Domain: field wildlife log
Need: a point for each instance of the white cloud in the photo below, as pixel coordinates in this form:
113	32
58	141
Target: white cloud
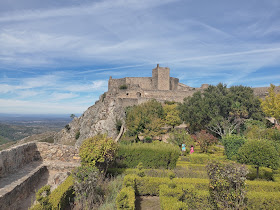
33	107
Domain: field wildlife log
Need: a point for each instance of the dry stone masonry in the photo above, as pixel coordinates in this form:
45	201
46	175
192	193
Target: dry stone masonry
26	168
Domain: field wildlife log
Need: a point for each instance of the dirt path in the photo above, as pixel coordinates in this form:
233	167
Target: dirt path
147	203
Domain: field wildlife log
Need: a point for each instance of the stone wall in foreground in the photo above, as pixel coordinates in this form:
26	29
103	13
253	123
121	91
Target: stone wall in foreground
15	158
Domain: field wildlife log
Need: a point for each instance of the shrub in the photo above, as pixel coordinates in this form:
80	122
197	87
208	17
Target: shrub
126	199
58	199
61	196
153	155
259	153
227	185
98	151
77	135
123	87
42	196
205	140
88	191
232	144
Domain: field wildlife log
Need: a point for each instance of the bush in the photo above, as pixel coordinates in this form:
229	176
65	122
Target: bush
98	151
227	185
88	190
123	87
77	135
153	155
126	199
232	144
61	196
58	199
205	140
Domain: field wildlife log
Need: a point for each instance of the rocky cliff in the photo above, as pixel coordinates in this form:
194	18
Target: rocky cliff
99	118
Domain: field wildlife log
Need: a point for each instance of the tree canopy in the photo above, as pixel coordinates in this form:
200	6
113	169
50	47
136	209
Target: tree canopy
259	153
271	103
146	118
220	109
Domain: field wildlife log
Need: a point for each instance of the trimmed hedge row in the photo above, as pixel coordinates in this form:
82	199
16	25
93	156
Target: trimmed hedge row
152	155
262	186
263	200
264	173
147	172
180	197
150	185
201	158
126	199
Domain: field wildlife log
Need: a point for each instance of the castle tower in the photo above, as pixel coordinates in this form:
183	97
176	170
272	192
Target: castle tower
161	78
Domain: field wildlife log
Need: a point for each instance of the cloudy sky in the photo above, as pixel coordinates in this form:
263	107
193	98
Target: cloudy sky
57	56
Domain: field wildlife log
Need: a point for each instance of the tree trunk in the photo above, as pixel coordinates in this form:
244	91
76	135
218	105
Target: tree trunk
257	171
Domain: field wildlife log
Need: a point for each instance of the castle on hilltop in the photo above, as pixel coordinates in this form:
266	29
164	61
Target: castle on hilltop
131	91
135	90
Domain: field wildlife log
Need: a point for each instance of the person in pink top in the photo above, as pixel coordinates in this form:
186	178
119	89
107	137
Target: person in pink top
191	151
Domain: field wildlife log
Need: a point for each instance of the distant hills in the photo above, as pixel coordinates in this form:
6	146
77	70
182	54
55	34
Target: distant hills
14	127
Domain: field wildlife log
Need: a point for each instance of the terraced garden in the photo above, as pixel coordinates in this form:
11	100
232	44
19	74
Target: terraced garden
187	185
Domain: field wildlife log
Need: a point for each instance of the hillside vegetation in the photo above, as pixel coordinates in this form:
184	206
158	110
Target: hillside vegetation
235	163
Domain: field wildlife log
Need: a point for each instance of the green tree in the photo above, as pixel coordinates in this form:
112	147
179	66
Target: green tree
259	153
146	118
98	151
220	109
72	116
271	103
172	117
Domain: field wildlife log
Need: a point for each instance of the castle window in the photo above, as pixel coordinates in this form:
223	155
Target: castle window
127	94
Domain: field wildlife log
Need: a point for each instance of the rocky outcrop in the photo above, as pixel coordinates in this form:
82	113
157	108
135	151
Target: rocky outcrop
99	118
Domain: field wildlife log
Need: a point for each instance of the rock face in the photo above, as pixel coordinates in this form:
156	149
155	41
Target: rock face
99	118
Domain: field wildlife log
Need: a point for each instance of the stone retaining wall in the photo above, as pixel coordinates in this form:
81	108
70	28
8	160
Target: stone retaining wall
14	198
16	157
58	152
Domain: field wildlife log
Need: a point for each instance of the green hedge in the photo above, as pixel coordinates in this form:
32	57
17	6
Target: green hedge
263	200
232	144
126	199
264	173
58	199
181	197
150	185
152	155
262	186
198	158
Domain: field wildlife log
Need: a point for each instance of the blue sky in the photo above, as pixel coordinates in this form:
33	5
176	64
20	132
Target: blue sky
57	56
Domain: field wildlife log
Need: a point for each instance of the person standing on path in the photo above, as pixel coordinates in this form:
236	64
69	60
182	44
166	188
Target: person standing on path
192	150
